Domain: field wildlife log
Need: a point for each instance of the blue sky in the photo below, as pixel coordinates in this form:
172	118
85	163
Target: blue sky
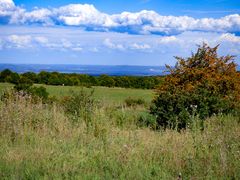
115	32
194	8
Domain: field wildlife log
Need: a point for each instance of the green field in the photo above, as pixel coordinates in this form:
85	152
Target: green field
108	95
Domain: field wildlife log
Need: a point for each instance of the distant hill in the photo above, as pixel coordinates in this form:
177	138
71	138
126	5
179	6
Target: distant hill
94	70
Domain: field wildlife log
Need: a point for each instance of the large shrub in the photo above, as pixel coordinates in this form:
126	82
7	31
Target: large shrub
80	106
201	85
25	85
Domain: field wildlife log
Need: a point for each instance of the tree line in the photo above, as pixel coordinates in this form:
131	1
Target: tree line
56	78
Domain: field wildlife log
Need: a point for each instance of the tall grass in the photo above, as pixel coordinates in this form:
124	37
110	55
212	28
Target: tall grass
39	141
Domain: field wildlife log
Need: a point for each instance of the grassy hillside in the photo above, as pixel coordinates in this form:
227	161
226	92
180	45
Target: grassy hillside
41	141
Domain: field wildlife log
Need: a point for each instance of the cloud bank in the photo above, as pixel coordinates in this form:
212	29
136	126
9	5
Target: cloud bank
73	45
72	39
89	18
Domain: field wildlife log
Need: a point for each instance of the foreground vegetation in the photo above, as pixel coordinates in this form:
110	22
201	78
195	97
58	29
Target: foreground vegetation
40	141
191	129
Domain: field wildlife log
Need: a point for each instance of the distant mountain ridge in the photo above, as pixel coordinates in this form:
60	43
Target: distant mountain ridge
95	70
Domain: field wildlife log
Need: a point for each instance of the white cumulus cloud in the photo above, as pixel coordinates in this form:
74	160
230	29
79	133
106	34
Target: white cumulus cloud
140	46
41	39
81	14
19	41
108	43
41	16
230	37
168	39
88	17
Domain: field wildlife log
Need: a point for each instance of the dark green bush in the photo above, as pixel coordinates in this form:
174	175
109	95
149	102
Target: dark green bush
132	102
80	106
147	120
177	110
25	86
39	92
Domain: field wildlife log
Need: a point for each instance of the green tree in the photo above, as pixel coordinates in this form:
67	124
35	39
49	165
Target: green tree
107	81
55	78
30	75
43	77
13	78
23	84
5	74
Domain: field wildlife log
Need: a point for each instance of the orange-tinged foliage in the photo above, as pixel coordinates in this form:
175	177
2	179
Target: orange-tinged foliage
204	70
204	84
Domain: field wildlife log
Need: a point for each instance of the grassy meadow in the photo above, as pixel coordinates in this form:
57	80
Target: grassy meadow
105	94
40	141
